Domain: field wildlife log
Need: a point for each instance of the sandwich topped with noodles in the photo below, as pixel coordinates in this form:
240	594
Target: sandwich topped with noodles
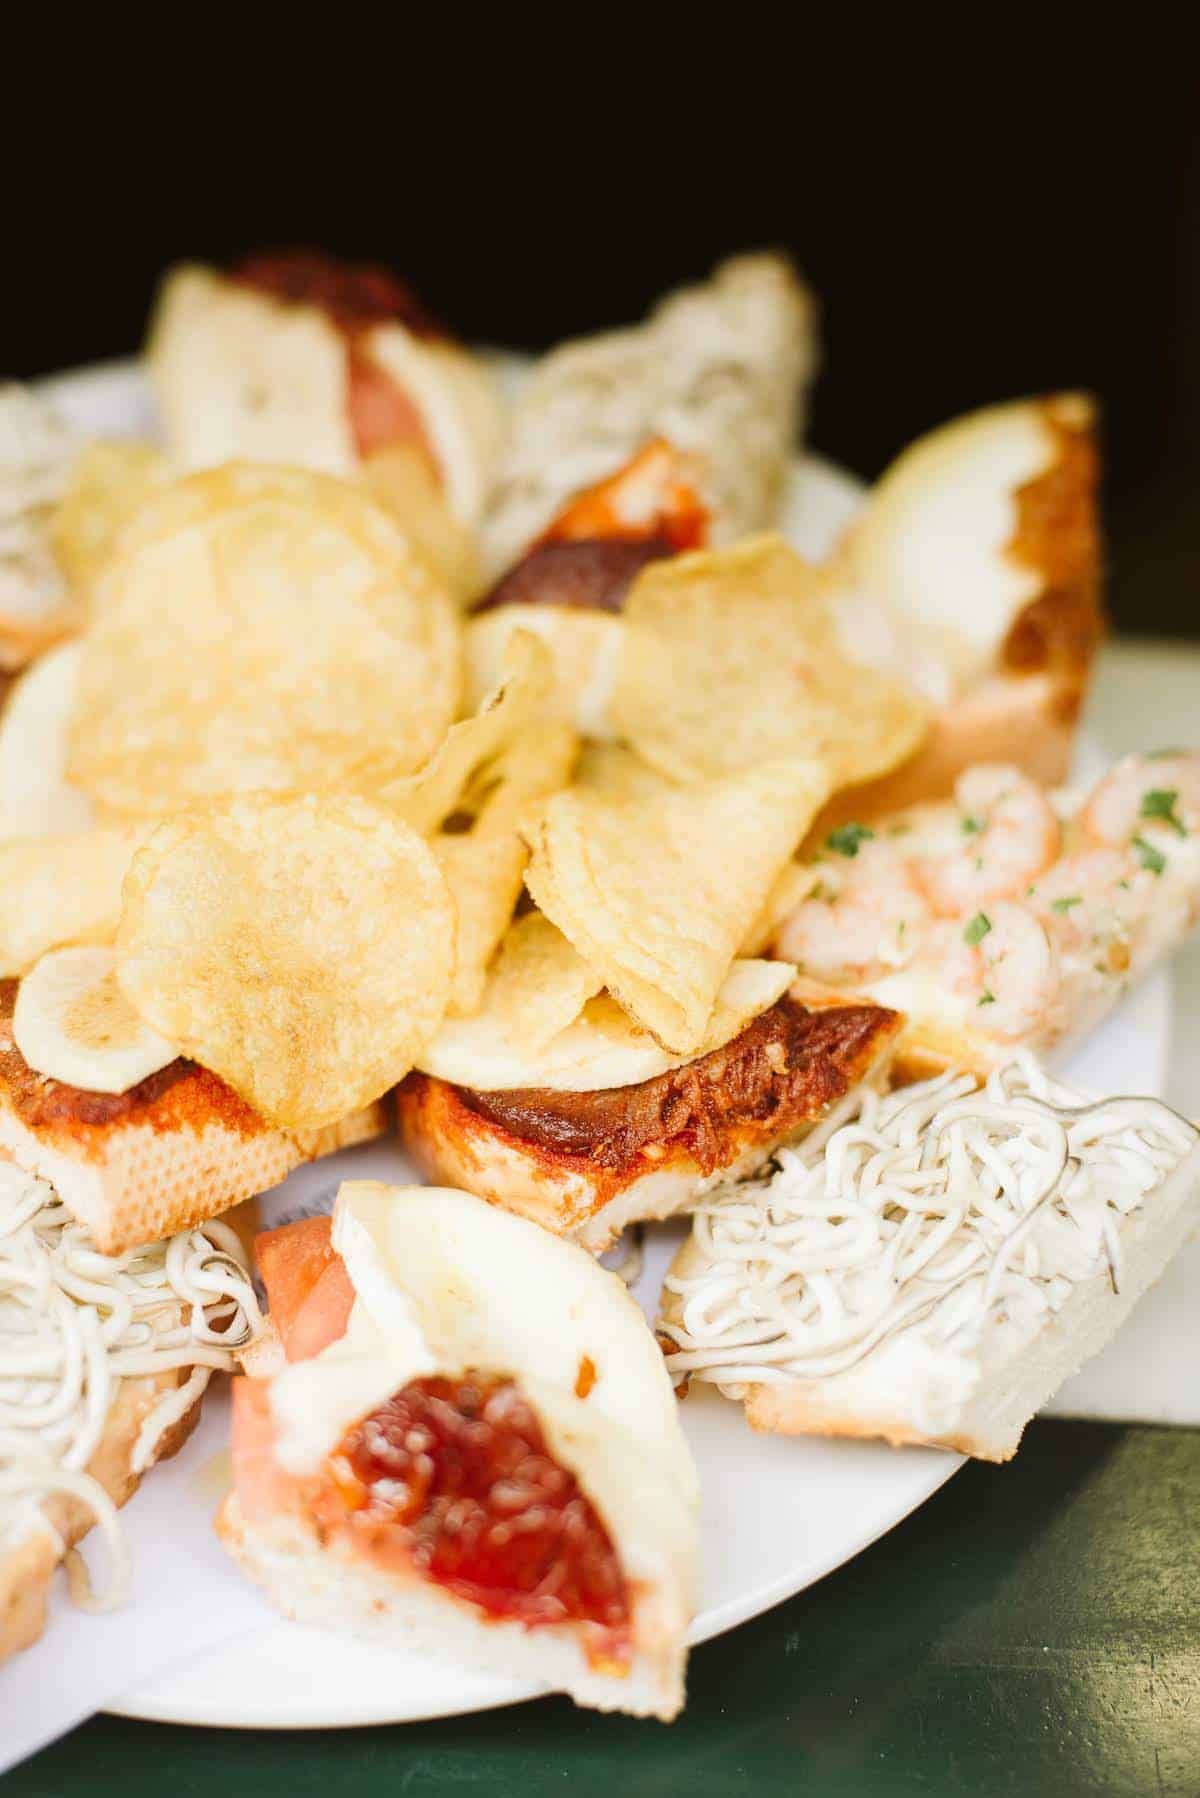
104	1360
932	1264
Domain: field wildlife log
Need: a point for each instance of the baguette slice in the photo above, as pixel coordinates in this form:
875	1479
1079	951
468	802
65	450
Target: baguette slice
431	1284
982	1393
177	1149
28	1565
585	1165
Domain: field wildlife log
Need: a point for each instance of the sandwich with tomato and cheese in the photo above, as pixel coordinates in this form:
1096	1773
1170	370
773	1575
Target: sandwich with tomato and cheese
465	1443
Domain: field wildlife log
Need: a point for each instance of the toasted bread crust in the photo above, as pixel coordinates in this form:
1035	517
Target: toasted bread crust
457	1140
1029	721
184	1157
27	1570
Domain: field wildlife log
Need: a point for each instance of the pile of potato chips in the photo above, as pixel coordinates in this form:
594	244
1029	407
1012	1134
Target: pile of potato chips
257	782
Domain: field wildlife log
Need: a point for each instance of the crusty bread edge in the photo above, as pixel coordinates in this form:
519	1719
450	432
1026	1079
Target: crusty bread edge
319	1586
1012	1389
130	1182
28	1567
1029	721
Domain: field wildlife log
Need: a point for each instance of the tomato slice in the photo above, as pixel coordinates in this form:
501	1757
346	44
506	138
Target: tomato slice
308	1289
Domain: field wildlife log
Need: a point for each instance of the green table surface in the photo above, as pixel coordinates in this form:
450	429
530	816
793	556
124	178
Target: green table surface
1034	1629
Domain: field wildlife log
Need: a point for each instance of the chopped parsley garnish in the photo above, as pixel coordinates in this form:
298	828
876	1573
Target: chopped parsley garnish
1065	905
988	998
1149	856
823	894
977	929
847	837
1160	803
972	826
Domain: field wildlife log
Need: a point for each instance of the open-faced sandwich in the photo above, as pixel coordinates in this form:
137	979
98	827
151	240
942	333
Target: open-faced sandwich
1007	916
624	1055
466	1443
36	453
932	1264
103	1365
630	447
294	357
213	974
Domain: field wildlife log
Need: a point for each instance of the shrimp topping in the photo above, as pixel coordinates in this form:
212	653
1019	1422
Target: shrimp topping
1147	797
1008	833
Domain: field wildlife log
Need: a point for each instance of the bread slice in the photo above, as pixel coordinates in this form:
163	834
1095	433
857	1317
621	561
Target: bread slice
311	1584
655	1146
988	1395
28	1564
176	1161
1028	721
434	1285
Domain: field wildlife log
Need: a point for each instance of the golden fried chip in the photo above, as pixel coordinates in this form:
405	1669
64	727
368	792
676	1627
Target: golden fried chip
657	893
616	772
261	628
465	758
730	659
61	890
602	1047
401	479
585	647
538	984
108	484
484	860
302	949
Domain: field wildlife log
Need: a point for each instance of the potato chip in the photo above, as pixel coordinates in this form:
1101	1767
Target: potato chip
401	479
108	484
730	659
261	628
302	949
467	752
61	890
657	893
36	799
585	646
603	1047
538	984
617	772
484	862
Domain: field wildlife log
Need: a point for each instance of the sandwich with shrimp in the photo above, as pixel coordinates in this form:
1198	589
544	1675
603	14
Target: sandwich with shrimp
104	1361
464	1442
1007	916
933	1263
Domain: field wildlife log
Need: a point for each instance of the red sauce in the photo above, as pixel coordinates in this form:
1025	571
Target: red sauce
456	1476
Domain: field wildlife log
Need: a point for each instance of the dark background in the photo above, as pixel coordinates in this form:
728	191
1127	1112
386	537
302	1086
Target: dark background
1007	222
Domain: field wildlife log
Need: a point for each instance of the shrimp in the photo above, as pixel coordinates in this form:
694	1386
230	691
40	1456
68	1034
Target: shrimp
1004	964
858	921
1007	834
1144	796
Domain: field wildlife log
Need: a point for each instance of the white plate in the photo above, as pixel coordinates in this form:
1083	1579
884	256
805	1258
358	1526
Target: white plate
778	1514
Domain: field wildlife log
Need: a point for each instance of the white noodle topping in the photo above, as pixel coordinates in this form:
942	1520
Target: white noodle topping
935	1212
73	1324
